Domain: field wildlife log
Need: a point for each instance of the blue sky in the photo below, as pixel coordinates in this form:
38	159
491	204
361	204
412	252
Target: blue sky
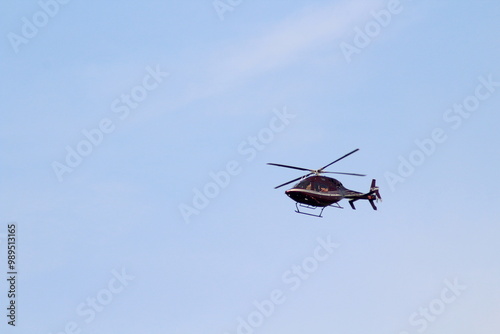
156	100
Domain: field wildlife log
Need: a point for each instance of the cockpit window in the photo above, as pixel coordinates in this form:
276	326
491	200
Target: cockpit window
319	184
305	184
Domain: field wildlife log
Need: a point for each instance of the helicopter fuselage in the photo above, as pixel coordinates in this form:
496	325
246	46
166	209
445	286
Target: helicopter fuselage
320	191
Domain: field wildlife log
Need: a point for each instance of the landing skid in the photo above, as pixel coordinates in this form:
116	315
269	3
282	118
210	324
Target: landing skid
310	207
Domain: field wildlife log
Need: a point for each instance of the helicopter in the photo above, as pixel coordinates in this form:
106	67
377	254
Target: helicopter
316	191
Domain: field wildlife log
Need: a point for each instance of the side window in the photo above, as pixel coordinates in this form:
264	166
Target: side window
323	187
306	184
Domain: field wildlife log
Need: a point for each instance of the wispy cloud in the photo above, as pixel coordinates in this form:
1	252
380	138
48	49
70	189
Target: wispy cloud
280	45
287	41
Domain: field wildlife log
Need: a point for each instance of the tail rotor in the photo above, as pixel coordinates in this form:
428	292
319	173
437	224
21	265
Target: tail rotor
374	195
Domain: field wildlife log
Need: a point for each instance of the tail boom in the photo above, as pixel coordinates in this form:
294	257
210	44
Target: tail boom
372	196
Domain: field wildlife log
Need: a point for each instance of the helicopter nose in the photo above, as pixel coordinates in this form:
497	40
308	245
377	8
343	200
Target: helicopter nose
290	193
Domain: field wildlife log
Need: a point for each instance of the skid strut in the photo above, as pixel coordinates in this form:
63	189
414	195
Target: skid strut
310	207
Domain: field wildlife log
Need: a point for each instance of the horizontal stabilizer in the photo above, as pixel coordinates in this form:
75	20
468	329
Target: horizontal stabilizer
372	196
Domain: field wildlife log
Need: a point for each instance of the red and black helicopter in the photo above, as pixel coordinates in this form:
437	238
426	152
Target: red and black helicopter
316	191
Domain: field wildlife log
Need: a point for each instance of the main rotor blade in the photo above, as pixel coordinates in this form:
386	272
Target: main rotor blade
293	167
284	184
331	163
345	173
